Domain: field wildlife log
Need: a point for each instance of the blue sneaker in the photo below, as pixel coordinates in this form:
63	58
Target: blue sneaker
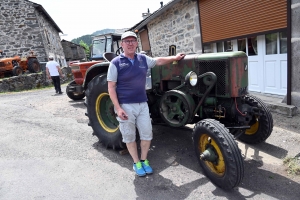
139	170
147	167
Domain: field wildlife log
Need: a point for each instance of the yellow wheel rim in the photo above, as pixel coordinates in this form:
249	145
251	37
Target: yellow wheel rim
253	129
100	117
218	168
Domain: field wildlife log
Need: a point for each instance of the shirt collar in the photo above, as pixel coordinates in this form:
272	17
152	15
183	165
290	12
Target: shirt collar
123	56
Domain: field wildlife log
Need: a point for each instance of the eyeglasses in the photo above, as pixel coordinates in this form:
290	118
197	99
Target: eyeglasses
130	41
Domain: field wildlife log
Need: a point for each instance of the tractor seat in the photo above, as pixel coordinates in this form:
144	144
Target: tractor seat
109	56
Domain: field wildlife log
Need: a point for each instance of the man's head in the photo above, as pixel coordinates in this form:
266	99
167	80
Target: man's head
50	57
128	34
129	42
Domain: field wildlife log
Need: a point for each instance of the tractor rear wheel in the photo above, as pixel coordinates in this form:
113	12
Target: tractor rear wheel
261	126
17	70
73	95
100	111
33	65
218	154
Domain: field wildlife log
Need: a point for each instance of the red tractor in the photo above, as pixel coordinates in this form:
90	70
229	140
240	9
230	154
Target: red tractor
84	72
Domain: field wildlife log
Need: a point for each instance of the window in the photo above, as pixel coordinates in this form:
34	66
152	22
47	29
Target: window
98	48
108	45
242	45
207	48
116	45
252	46
227	46
219	46
172	50
271	43
283	40
224	46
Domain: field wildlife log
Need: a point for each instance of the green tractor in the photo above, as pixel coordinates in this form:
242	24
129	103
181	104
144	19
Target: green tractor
207	90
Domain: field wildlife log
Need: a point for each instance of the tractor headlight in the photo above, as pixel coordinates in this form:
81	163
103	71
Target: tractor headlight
75	67
191	78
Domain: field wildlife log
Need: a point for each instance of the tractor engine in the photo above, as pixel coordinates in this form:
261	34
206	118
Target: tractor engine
207	86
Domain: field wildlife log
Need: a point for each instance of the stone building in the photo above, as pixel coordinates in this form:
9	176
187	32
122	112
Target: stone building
26	26
267	31
175	25
73	51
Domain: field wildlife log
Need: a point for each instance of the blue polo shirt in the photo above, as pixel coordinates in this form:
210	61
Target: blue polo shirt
130	77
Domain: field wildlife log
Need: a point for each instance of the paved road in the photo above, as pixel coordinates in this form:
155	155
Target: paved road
48	152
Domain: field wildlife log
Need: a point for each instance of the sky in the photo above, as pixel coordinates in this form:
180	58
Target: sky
81	17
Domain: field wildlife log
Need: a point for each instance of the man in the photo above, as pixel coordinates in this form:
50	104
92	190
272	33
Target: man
54	72
126	86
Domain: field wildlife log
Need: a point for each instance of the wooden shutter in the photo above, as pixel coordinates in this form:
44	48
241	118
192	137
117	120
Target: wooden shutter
233	18
145	40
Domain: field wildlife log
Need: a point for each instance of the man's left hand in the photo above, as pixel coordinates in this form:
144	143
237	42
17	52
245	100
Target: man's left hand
180	56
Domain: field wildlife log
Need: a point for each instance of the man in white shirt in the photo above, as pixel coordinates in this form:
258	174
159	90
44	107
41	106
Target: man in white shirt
54	72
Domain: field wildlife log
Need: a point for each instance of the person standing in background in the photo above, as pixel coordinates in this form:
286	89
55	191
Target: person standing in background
54	72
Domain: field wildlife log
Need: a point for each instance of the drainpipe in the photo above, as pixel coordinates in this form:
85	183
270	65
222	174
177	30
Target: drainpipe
201	38
289	53
161	4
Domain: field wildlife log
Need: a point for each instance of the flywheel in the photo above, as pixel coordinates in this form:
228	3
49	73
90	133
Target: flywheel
176	108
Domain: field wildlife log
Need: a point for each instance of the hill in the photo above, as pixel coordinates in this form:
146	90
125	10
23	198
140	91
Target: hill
88	38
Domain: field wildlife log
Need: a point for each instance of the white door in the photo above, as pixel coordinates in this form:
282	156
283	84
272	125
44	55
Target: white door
255	63
267	62
275	65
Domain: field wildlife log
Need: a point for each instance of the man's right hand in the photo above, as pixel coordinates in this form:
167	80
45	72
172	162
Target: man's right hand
122	114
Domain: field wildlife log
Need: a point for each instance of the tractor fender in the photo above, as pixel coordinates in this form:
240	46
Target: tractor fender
93	71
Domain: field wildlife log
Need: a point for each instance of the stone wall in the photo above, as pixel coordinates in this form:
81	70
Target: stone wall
178	26
25	28
73	51
295	49
32	81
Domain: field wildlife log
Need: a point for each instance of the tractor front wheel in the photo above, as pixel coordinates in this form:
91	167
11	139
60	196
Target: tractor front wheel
73	95
17	70
100	111
218	154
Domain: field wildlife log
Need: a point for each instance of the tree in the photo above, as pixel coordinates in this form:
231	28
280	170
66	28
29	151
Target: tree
86	48
85	38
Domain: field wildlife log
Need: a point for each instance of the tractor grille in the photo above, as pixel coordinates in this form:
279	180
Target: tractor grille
218	67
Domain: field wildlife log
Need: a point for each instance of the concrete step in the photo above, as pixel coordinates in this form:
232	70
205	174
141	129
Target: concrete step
274	103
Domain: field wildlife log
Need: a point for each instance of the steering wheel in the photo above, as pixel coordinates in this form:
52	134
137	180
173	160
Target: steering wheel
119	51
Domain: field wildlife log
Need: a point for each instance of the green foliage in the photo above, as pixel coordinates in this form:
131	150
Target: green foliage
87	39
86	48
293	165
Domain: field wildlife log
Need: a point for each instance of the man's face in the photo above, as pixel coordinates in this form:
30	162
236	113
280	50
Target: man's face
129	45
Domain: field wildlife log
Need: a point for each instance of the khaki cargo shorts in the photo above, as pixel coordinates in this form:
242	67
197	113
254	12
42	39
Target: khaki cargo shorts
138	117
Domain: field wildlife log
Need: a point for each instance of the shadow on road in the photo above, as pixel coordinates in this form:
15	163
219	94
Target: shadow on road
177	174
77	103
270	149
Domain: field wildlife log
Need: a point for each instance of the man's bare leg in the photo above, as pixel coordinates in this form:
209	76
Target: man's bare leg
132	148
145	145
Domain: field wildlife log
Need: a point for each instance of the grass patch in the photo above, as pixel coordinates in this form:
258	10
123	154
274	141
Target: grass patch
33	89
293	165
